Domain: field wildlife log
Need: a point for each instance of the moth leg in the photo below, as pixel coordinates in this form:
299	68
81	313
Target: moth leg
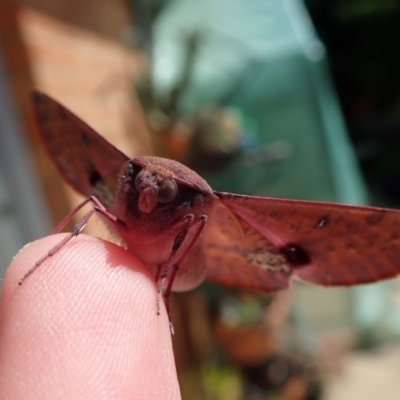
176	246
162	273
98	206
202	220
76	230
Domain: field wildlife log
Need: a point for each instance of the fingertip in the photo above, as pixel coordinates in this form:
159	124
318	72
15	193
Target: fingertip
91	305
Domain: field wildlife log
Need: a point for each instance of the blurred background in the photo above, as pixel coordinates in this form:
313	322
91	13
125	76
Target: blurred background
285	98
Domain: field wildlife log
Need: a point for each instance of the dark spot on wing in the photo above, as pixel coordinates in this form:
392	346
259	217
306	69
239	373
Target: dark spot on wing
95	178
40	116
322	222
353	229
85	139
275	215
296	255
375	218
36	97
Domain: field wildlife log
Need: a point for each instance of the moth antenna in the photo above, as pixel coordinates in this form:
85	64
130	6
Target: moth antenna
77	229
68	218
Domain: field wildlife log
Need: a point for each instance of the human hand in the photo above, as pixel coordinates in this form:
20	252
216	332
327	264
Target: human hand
83	326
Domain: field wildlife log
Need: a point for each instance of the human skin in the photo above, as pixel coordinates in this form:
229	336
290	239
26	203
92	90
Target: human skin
83	326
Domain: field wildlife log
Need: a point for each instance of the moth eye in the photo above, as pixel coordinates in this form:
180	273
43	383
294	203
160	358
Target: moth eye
167	191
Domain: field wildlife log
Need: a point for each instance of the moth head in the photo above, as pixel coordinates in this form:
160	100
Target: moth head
162	188
154	187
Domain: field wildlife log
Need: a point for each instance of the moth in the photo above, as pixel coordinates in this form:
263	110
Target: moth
184	232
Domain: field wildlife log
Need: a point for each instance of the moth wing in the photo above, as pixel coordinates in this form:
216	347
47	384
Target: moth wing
88	162
237	255
324	243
